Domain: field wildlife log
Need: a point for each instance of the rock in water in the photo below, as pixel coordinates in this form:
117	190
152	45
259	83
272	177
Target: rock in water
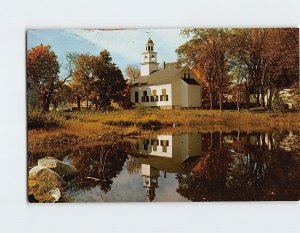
55	193
42	183
61	168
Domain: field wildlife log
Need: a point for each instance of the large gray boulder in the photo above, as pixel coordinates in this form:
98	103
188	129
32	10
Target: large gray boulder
63	169
43	184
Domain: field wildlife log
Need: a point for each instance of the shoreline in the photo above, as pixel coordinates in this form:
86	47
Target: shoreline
80	127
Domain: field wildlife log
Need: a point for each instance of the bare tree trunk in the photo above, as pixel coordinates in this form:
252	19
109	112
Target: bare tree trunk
221	98
55	104
214	99
270	99
247	97
257	98
78	102
262	97
211	99
46	102
238	100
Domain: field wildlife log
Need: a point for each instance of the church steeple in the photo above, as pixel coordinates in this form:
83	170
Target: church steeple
150	180
149	59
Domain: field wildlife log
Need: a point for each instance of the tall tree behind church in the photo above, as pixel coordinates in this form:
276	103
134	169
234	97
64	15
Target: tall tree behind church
208	51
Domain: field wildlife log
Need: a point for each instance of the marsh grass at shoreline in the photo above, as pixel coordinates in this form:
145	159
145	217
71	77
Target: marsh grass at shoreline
73	127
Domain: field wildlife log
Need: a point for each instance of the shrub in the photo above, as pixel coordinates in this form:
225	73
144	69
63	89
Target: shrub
37	119
149	123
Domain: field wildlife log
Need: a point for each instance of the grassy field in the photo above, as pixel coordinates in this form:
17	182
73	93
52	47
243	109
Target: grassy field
94	125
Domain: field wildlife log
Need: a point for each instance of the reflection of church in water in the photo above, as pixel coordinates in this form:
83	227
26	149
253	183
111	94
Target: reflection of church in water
166	154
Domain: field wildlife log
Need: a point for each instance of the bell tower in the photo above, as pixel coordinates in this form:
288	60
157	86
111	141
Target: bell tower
149	59
150	180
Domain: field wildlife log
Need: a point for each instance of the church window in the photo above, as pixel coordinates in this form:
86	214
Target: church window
146	143
147	181
154	97
136	97
152	58
164	96
145	97
154	143
154	147
164	144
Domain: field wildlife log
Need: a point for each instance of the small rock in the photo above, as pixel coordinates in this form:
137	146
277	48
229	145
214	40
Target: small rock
61	168
55	193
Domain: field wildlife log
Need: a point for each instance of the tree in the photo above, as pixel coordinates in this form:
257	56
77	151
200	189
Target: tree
109	82
249	49
282	57
271	57
82	82
64	92
208	51
99	80
132	73
62	95
43	70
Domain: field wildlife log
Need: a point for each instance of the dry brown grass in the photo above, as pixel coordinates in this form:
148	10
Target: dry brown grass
95	124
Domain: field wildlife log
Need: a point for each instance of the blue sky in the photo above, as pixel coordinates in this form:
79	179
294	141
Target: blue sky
125	46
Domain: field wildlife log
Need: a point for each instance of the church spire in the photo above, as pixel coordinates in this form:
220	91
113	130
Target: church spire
150	180
149	59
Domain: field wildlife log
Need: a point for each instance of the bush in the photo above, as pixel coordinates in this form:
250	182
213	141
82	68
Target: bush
37	119
149	122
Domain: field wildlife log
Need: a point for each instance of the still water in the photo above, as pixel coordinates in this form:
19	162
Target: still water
207	166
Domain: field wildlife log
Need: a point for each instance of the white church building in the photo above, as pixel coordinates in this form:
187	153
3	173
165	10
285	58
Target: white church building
168	88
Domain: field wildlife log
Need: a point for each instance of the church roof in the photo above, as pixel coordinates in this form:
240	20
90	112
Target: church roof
190	81
150	41
162	76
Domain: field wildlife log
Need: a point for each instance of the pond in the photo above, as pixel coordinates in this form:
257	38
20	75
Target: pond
203	166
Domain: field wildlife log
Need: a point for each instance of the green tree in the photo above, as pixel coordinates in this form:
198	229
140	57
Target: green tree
98	79
109	82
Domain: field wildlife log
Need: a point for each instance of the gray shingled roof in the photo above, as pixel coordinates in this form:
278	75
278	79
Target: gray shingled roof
163	76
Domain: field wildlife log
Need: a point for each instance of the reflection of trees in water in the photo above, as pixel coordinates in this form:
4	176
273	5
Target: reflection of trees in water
133	165
243	167
97	164
208	179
